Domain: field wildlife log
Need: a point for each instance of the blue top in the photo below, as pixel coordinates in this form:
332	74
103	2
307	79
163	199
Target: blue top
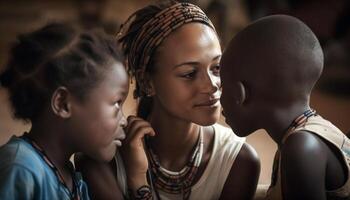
25	175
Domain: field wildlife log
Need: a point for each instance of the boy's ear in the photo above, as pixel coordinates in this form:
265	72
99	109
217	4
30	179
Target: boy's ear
60	103
242	93
145	82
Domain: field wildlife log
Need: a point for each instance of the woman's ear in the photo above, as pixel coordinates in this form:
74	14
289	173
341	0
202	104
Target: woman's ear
60	103
145	82
242	93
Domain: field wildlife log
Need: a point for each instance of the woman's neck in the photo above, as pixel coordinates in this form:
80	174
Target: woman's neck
174	141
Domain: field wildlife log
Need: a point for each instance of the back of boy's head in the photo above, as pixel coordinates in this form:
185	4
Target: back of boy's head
277	57
53	56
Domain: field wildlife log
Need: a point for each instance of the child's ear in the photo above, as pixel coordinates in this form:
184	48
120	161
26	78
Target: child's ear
145	82
60	104
242	93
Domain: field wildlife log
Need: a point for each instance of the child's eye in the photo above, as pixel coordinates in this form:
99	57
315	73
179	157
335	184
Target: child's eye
216	70
118	104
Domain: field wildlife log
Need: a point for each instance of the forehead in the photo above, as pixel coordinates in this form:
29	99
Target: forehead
190	40
115	77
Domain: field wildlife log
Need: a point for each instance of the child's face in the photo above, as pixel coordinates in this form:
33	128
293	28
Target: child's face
187	81
99	118
238	106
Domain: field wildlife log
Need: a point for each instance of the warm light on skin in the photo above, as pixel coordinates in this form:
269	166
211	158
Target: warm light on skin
242	97
99	118
188	76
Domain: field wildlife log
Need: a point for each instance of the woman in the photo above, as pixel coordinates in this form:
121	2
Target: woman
174	53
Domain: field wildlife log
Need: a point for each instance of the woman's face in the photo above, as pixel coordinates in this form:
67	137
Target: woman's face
186	82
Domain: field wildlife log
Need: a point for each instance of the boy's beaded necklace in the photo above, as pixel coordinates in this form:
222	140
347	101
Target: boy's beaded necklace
74	195
176	182
299	121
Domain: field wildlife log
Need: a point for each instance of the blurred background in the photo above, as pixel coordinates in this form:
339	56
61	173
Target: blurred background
330	20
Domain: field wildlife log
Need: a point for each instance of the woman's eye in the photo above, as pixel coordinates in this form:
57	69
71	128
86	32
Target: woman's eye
216	70
189	75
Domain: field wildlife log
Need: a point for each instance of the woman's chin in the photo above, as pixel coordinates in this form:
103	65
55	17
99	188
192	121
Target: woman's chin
207	120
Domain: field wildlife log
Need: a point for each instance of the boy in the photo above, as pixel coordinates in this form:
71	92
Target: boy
268	72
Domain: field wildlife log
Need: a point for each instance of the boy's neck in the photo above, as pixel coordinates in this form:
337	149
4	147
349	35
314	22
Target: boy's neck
53	144
281	120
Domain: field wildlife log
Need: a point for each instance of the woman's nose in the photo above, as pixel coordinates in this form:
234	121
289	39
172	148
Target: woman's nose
211	83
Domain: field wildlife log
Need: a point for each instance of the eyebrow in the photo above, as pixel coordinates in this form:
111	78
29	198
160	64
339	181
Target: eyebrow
122	93
195	62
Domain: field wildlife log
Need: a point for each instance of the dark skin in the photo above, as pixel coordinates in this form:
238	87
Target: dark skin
311	149
100	177
271	90
191	69
55	147
61	129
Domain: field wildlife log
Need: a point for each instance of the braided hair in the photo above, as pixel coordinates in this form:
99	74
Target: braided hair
53	56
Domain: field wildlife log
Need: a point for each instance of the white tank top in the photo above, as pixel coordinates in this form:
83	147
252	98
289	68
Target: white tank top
209	187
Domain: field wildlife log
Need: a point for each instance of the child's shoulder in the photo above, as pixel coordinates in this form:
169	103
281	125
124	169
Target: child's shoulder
303	152
17	154
316	135
302	142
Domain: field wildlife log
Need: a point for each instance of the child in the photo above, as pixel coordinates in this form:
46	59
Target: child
174	53
268	72
70	85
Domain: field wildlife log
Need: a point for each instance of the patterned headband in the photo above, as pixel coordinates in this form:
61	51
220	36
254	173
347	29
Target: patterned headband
158	28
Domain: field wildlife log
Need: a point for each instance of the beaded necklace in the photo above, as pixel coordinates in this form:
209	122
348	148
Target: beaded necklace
74	195
176	182
299	121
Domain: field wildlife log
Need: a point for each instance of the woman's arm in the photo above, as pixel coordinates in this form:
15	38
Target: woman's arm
243	178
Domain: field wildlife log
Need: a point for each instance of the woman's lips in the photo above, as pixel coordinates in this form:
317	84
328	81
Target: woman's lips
210	103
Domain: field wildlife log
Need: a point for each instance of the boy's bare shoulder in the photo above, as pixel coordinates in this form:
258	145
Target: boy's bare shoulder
302	143
303	160
303	166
